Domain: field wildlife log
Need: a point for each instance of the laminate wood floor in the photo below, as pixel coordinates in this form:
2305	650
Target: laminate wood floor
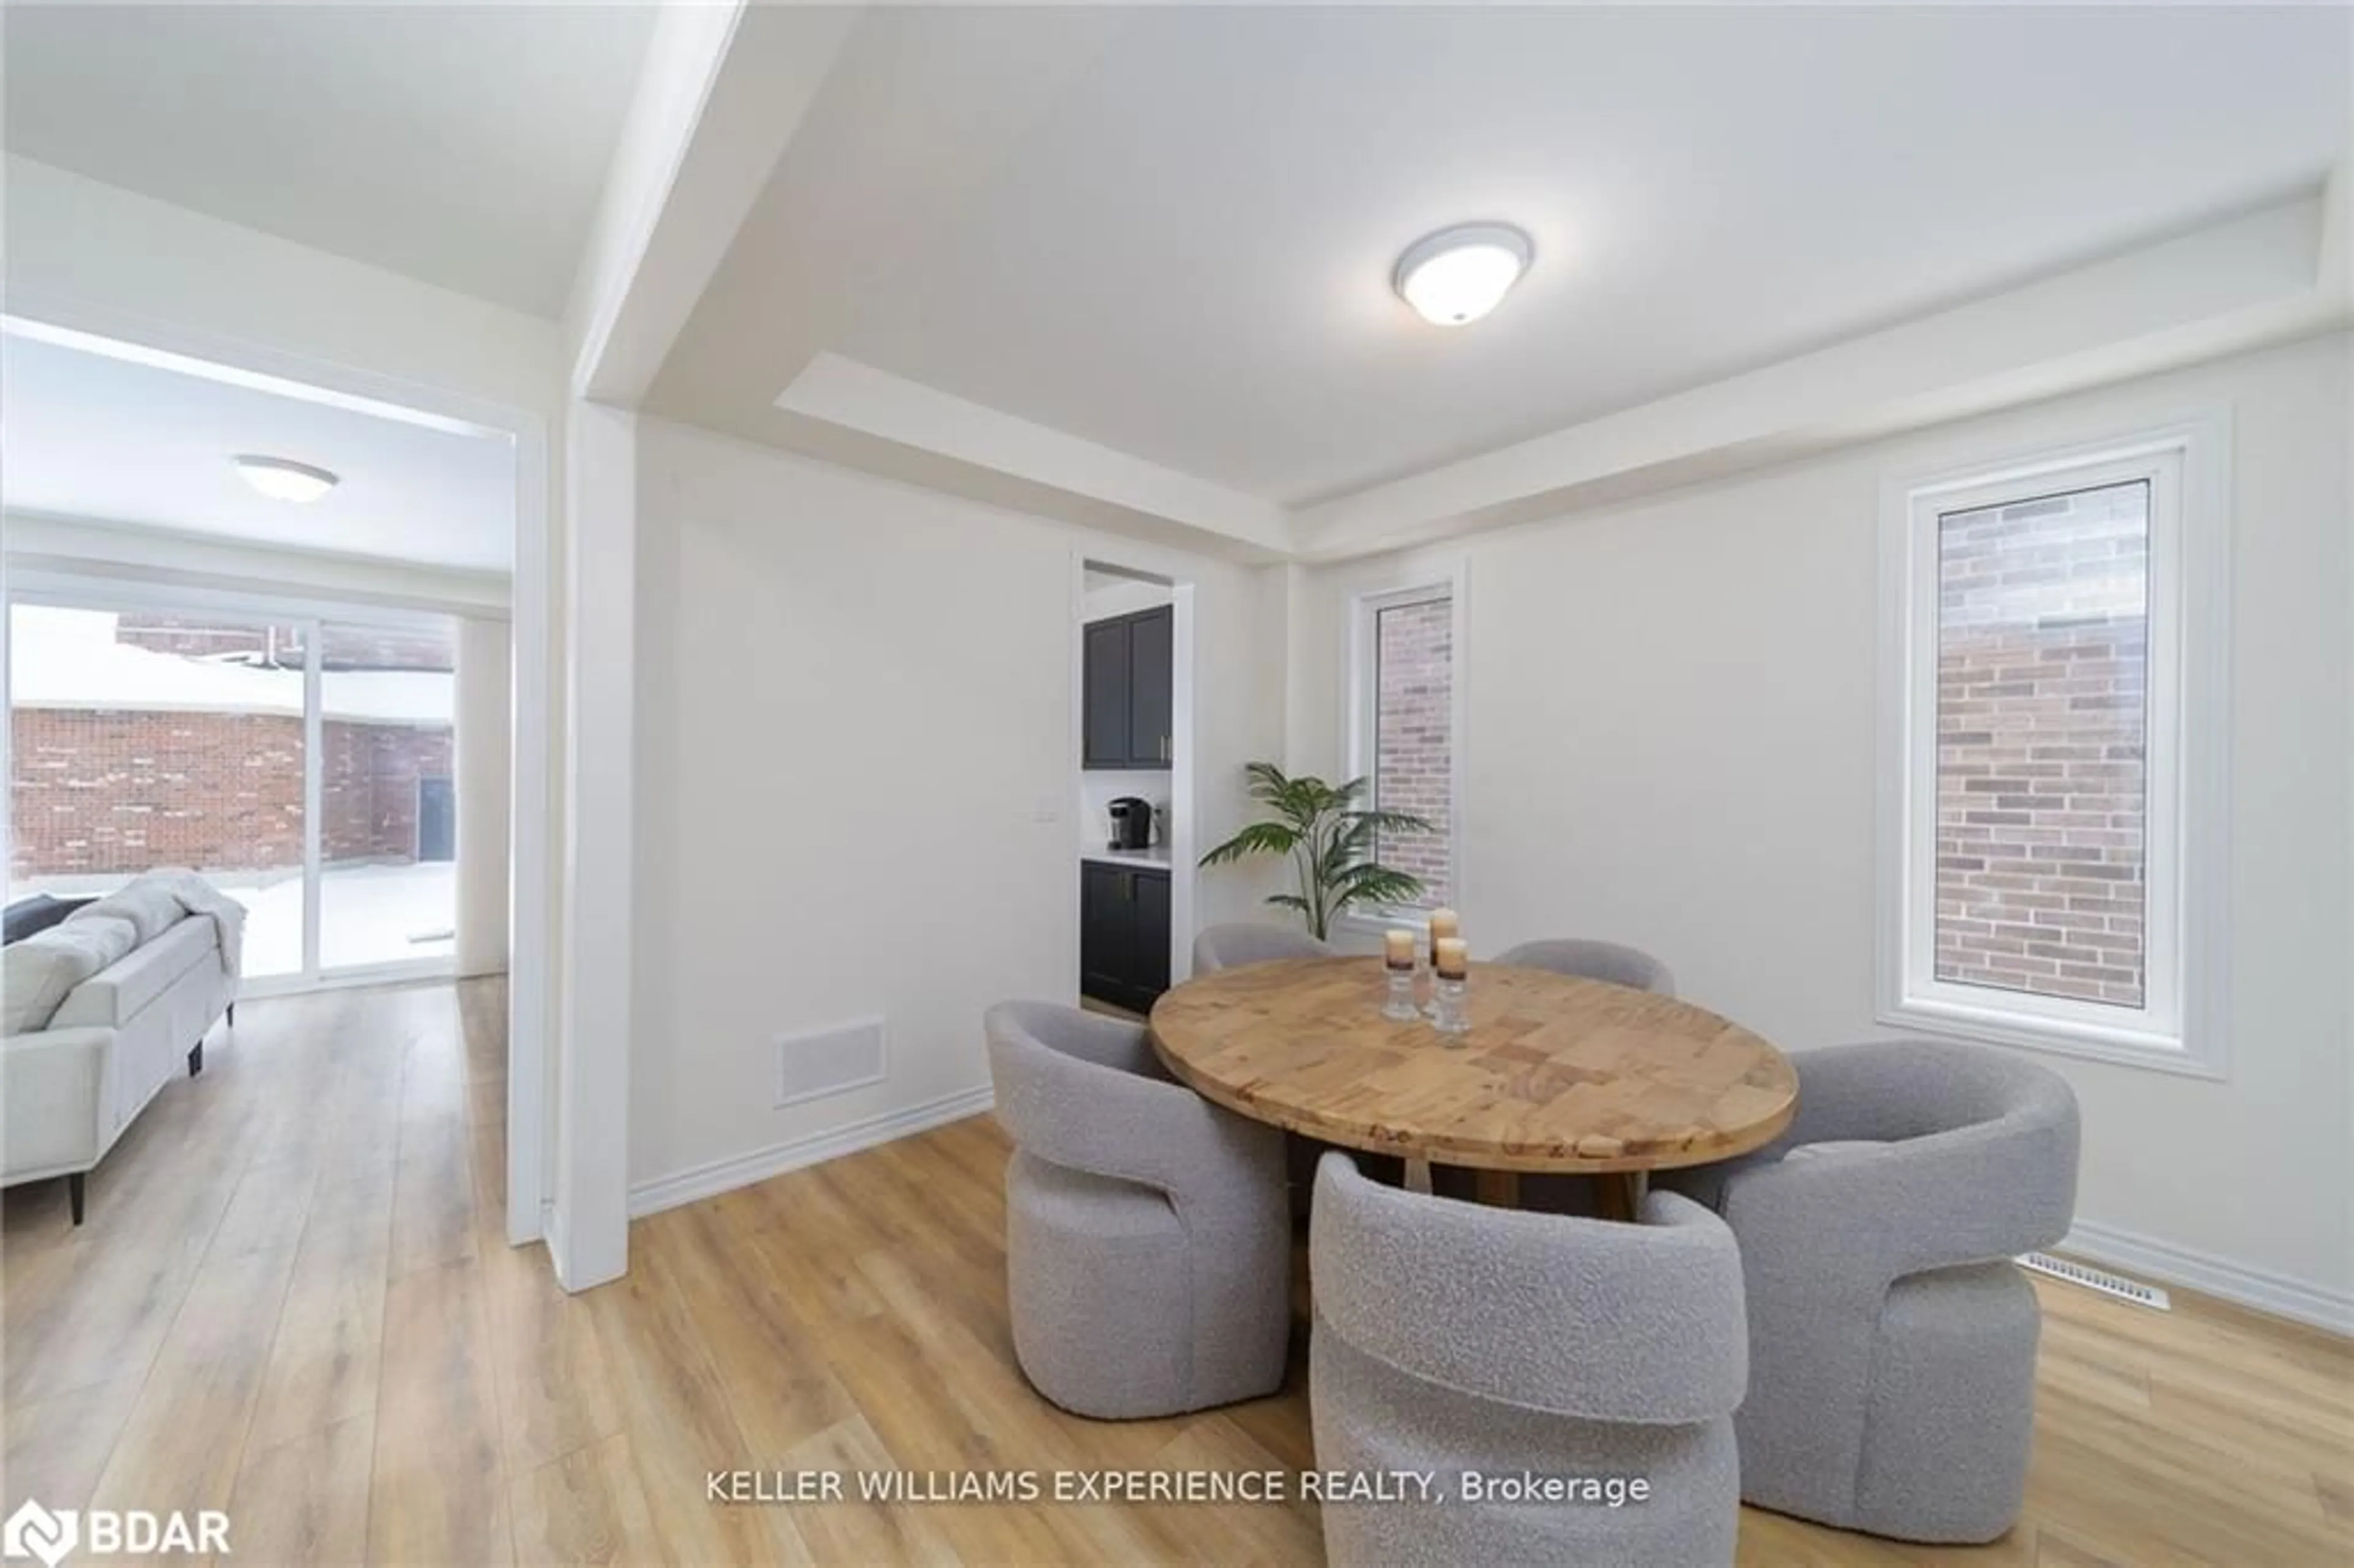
292	1300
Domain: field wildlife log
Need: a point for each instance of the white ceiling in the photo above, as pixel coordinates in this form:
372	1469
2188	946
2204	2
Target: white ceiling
1130	266
465	145
1189	258
111	440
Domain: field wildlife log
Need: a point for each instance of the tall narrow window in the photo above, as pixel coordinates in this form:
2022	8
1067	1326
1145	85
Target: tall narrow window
1405	725
2042	850
2042	731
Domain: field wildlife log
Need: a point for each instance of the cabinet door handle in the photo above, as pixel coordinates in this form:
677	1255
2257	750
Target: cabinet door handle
1164	748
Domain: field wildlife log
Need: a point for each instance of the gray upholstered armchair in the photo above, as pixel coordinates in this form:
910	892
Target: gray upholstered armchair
1891	1340
1256	942
1454	1337
1148	1249
1589	960
1252	942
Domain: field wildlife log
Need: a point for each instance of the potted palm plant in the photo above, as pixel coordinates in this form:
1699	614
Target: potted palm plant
1331	840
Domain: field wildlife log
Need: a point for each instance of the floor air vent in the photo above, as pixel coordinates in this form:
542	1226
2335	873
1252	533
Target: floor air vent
2107	1283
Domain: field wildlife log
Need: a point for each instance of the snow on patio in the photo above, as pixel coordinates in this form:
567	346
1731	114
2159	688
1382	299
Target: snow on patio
368	913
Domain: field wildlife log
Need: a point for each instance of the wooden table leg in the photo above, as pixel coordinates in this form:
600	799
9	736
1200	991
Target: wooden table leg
1417	1176
1498	1189
1621	1194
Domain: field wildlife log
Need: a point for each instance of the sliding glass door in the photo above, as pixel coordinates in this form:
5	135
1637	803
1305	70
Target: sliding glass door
387	885
301	764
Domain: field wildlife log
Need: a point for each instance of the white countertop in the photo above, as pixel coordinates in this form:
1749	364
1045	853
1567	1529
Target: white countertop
1153	859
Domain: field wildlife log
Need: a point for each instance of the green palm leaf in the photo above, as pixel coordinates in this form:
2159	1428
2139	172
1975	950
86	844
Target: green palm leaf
1396	821
1259	838
1332	840
1371	884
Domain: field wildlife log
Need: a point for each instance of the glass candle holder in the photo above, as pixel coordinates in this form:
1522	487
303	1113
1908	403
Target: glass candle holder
1453	967
1444	926
1449	1007
1400	1007
1397	955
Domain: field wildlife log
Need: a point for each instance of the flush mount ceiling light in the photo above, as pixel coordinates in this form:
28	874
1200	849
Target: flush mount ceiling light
283	479
1459	275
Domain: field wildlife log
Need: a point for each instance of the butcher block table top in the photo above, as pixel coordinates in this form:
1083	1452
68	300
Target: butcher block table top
1555	1074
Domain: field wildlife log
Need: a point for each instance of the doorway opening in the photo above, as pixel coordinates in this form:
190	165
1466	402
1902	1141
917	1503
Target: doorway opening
1134	727
335	709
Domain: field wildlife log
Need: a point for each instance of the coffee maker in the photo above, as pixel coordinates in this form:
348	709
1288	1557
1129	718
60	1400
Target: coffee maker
1131	824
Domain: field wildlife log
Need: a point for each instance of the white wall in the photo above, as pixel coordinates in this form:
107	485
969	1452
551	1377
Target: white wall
854	792
88	548
1671	740
485	699
134	262
1109	600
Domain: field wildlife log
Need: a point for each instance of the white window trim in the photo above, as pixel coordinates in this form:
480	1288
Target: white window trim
1357	663
2183	1027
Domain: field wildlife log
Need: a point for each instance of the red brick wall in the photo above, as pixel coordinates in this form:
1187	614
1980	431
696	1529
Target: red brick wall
367	787
198	637
101	792
1414	754
341	647
2041	682
112	792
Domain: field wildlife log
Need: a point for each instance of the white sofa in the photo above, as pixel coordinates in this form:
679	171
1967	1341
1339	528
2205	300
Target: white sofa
101	1013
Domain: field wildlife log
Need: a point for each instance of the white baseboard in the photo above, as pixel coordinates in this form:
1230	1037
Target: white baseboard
743	1169
2253	1288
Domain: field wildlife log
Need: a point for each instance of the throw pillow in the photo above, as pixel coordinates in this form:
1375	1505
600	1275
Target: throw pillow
39	973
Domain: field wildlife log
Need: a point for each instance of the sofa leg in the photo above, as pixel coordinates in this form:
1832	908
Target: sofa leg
74	1194
196	1058
232	1015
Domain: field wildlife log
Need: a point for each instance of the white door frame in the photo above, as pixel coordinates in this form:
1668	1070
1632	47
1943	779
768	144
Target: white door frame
253	365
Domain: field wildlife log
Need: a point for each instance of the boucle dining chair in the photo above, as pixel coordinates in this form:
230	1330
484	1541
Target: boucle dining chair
1582	958
1245	942
1589	960
1891	1340
1453	1338
1147	1248
1252	942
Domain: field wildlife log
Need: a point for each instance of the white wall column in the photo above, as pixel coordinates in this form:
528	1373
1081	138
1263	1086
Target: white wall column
589	1229
486	701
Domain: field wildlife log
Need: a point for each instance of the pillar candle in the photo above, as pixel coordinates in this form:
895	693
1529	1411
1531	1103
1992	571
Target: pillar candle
1397	947
1443	925
1453	959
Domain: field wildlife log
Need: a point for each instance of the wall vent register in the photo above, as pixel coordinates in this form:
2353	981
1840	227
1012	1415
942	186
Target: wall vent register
816	1064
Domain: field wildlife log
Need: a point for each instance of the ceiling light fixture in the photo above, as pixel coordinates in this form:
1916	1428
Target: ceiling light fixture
1459	275
283	479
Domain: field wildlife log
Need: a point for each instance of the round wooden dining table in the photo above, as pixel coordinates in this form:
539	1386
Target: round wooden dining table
1555	1074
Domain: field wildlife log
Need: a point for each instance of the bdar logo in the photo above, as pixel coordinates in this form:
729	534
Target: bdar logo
34	1531
49	1534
